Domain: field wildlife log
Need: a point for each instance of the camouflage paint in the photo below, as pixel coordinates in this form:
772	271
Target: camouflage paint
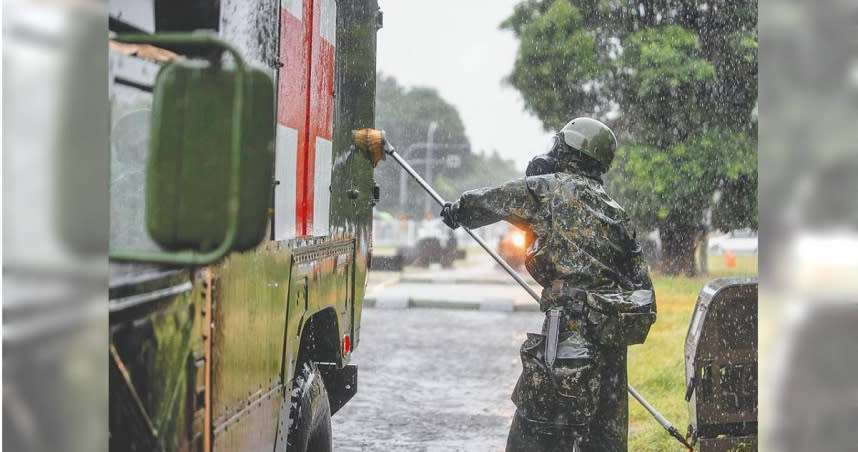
154	325
249	309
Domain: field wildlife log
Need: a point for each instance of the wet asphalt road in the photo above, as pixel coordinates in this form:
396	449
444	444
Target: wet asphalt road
433	380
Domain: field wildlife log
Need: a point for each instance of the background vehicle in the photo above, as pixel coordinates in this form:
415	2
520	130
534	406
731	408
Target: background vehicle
436	244
249	350
743	241
401	242
512	246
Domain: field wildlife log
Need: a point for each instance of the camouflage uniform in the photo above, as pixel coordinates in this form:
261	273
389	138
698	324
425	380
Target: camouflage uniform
582	254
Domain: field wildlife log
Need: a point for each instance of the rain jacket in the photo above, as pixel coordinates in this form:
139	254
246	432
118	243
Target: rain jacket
581	234
582	241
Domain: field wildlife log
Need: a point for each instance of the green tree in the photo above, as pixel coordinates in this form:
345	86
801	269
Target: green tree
480	169
405	114
677	80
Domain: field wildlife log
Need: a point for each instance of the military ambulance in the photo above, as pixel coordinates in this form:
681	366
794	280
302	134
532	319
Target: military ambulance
241	219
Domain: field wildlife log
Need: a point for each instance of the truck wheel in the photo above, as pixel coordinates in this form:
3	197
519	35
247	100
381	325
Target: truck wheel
310	429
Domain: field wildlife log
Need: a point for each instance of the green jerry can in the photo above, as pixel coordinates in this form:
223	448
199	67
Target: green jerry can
190	155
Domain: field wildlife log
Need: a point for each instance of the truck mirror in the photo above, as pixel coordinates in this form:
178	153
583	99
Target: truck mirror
211	155
195	120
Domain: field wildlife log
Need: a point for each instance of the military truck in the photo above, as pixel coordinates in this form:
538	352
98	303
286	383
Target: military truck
241	219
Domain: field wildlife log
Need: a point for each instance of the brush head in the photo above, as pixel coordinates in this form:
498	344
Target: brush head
371	142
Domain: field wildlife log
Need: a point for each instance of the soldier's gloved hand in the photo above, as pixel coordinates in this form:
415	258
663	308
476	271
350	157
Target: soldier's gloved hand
448	214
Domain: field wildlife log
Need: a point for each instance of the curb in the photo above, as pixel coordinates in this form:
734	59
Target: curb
394	303
381	285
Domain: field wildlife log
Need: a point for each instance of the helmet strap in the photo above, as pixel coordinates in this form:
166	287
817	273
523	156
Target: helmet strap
577	161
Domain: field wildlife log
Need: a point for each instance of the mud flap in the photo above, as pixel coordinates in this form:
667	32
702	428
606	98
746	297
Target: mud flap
340	383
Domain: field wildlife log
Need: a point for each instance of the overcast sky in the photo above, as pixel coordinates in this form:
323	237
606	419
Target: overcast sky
456	47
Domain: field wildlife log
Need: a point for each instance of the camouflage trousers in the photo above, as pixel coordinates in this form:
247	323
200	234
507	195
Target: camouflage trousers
609	429
543	425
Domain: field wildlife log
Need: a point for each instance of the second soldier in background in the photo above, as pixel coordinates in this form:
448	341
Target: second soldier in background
597	293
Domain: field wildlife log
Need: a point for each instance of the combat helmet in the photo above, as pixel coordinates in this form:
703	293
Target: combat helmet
592	138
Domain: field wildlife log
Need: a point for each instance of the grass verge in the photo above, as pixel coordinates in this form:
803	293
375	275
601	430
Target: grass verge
657	368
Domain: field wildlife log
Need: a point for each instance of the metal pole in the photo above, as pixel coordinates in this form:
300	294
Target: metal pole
659	418
434	195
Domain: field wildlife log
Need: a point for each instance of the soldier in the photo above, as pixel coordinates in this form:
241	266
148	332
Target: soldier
597	293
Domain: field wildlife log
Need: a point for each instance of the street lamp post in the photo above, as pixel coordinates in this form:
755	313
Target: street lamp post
403	176
430	154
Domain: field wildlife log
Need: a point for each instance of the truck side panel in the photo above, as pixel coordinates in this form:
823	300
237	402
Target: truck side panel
154	334
352	186
249	311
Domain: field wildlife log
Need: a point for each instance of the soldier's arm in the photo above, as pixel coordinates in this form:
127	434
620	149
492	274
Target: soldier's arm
513	201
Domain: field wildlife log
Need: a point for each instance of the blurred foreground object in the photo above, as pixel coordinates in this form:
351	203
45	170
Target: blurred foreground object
809	218
813	402
55	226
816	405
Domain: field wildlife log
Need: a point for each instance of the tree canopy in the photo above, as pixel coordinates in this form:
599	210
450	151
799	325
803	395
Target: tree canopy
405	114
676	80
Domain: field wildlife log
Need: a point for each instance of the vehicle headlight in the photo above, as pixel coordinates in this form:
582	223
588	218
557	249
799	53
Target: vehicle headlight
517	239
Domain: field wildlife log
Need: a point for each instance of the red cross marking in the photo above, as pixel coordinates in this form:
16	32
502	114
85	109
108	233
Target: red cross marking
305	93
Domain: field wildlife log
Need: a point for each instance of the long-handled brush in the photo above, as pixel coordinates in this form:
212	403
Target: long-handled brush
374	144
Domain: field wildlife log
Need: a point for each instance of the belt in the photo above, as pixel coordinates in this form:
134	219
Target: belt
561	294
